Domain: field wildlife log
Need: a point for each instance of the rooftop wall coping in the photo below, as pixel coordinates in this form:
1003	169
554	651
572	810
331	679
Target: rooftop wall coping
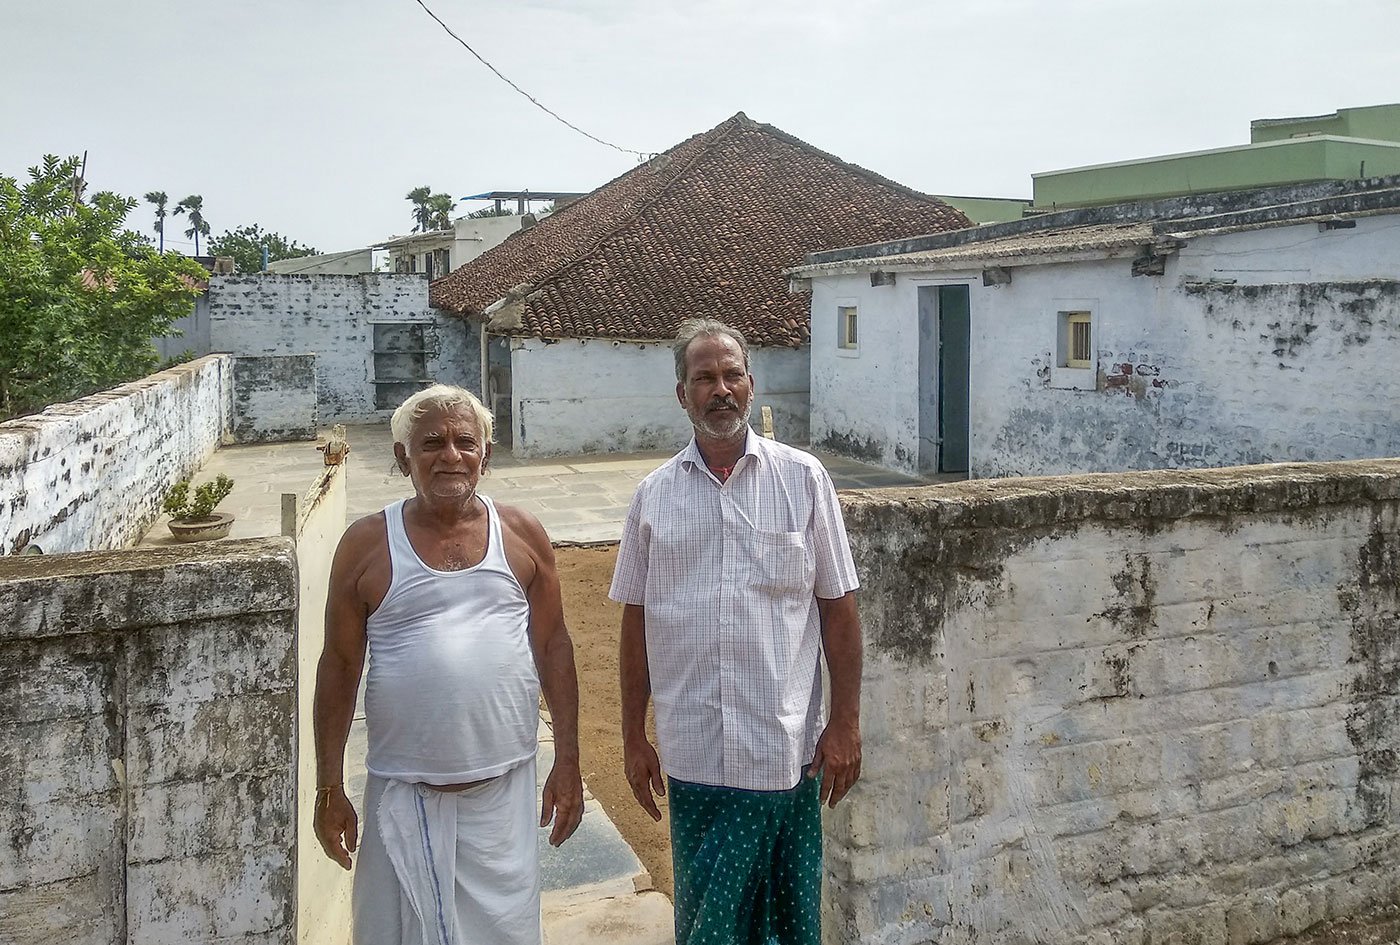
1267	202
1305	140
86	592
1147	499
67	410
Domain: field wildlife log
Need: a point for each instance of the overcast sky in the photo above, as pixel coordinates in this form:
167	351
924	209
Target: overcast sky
314	118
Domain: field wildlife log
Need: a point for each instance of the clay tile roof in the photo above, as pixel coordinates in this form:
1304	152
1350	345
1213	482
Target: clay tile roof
705	229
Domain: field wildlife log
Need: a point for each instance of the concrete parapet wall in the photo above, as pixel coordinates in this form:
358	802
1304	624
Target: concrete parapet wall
323	888
334	317
1135	708
274	398
90	474
147	746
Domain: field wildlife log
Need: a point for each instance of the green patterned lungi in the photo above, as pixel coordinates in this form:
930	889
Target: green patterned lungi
748	864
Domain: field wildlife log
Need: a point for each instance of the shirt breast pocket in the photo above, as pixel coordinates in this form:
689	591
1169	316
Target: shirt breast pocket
780	562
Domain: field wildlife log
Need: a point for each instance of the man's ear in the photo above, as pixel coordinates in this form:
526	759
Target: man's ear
401	458
680	392
485	458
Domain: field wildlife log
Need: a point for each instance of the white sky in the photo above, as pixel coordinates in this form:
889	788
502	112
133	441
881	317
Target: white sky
314	118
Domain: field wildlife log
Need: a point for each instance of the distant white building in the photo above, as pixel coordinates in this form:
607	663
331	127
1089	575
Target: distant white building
350	262
1243	327
576	315
438	252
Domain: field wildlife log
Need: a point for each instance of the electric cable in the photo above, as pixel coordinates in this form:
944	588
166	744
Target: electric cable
641	156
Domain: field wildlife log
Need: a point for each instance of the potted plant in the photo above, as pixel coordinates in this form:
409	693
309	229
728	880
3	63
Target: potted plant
196	520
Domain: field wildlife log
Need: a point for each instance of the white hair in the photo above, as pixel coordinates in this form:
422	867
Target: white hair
440	397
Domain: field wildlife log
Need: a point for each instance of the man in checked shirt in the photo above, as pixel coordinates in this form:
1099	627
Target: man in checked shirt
736	576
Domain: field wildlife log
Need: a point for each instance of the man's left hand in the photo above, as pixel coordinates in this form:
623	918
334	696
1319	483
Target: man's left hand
563	801
837	760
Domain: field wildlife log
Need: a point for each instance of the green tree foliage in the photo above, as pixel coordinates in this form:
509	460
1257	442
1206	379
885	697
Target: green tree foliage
430	211
491	212
81	297
159	198
246	243
440	210
194	206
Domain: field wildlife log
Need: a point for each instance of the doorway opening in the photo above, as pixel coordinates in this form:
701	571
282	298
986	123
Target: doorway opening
945	334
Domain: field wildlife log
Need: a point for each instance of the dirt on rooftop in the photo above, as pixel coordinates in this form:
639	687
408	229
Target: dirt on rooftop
595	623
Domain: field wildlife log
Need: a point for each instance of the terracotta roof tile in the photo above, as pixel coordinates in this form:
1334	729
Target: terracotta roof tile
705	229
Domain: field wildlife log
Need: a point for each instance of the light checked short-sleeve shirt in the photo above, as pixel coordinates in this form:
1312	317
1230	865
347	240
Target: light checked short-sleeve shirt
729	574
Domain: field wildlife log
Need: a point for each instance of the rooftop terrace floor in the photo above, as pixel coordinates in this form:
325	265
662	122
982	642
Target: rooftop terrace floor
580	499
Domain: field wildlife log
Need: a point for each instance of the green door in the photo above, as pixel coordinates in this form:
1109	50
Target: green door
954	354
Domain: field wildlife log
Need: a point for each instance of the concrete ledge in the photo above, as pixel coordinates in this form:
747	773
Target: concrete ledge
1144	498
119	590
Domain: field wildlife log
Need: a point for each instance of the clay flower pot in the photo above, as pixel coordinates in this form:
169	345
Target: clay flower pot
204	529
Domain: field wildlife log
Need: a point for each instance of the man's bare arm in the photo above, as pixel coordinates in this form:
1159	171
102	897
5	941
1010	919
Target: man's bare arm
838	750
554	661
639	757
337	682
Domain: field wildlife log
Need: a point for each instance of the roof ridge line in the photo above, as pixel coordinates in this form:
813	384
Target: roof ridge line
734	121
856	168
564	211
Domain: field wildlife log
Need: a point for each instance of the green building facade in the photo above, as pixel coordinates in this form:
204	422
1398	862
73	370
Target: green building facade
1348	144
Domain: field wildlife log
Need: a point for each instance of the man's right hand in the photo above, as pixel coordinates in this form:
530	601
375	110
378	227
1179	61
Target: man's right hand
644	774
336	826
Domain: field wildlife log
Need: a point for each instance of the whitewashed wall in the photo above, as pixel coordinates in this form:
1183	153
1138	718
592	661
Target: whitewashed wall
90	474
323	888
148	746
333	317
1293	361
1145	707
601	396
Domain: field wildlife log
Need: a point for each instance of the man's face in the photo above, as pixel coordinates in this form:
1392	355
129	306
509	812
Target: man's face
445	455
717	392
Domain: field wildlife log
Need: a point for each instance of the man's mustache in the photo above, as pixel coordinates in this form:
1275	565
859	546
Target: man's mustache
719	402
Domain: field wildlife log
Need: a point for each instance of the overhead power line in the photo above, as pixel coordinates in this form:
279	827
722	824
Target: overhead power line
641	156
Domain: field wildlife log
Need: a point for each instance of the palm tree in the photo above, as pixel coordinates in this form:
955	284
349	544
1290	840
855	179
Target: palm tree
158	198
440	211
194	206
422	216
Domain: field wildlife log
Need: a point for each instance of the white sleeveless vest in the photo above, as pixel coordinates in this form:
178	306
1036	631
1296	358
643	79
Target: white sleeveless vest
452	694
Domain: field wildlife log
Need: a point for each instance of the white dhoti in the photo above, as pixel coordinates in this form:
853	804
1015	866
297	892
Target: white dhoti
449	867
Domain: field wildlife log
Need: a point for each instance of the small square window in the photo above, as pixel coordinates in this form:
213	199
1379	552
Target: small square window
1076	340
847	320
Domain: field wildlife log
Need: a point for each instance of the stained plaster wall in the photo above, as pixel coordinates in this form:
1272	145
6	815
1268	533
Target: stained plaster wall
1131	708
323	888
602	396
90	474
274	398
147	746
189	334
1286	356
333	317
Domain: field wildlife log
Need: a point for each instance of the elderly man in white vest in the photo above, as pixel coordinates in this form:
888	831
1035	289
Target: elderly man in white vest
457	601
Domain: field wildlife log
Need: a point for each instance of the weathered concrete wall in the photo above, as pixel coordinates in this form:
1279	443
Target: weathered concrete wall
334	317
188	334
91	474
1141	708
602	396
1287	356
323	888
274	398
147	746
